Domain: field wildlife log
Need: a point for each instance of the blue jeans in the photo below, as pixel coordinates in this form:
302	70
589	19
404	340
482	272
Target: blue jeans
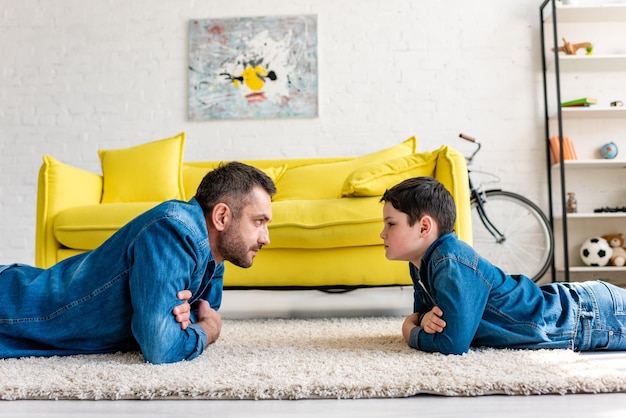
118	297
602	324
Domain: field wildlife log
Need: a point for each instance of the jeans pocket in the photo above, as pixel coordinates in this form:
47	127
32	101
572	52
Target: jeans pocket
618	296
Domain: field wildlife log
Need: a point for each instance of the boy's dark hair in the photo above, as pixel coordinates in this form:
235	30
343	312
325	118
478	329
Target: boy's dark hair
232	183
419	196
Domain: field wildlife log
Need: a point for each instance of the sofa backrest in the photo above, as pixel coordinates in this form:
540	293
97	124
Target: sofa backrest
304	178
193	172
330	178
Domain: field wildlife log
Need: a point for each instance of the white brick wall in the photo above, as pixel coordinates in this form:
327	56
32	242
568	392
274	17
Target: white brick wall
77	75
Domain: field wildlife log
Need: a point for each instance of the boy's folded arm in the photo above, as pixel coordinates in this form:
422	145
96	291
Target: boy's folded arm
438	342
462	301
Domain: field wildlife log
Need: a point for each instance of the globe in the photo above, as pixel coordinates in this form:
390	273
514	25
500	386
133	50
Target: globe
609	151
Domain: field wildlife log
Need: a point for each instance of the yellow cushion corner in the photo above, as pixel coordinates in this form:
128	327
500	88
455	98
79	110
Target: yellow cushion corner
148	172
325	180
193	175
374	179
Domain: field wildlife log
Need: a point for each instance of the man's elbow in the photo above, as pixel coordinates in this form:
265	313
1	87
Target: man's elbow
174	346
164	356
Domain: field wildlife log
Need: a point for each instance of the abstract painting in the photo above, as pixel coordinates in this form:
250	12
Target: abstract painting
253	67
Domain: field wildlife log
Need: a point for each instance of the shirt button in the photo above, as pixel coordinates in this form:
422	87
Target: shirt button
611	332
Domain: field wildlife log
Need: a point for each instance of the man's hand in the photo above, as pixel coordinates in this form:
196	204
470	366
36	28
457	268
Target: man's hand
432	322
182	311
210	320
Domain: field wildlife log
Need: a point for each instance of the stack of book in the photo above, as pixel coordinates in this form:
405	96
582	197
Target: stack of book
584	102
569	152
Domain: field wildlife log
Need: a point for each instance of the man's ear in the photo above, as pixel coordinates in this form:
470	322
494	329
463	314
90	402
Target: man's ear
221	216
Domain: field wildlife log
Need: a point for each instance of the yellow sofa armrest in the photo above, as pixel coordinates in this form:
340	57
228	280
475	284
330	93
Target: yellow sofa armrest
451	171
60	186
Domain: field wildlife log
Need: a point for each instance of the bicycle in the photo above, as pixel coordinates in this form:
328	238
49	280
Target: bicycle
508	229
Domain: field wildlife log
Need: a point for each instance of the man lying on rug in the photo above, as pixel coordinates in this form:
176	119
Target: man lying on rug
463	301
126	294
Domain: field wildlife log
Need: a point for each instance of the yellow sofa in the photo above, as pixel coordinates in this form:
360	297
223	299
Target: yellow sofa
327	214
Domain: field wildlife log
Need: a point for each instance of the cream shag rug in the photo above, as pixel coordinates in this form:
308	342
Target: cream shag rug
308	358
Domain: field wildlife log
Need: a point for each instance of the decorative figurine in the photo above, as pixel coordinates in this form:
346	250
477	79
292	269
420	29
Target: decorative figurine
572	203
571	49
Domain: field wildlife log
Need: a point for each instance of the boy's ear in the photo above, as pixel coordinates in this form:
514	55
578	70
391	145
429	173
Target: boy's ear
426	225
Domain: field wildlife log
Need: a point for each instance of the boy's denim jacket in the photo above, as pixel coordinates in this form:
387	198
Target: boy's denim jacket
483	306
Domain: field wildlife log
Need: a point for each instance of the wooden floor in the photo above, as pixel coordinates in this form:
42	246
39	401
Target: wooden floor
554	406
362	302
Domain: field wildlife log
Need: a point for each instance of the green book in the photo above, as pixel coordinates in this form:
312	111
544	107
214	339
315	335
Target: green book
585	101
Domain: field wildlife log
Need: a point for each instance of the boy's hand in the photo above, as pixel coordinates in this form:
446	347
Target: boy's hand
432	321
182	312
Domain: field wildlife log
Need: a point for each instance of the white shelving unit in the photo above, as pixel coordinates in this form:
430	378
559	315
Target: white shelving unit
582	164
582	175
594	112
597	13
600	63
597	183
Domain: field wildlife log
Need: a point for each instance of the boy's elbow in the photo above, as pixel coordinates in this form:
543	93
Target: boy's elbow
443	345
454	350
446	350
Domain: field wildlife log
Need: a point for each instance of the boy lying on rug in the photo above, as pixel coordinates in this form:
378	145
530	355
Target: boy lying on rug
461	300
126	294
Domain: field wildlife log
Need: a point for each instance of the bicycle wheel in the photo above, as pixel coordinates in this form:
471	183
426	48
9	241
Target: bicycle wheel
526	245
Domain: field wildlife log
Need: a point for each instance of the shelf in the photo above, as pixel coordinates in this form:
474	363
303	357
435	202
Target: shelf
584	269
591	112
591	63
602	72
593	215
599	13
609	164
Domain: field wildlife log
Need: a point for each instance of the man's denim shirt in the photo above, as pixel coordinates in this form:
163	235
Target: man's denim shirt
482	306
118	297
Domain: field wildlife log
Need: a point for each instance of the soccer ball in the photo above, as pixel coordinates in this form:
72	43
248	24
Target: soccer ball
596	252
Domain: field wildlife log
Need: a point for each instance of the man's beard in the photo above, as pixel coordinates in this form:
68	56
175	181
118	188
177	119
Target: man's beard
232	247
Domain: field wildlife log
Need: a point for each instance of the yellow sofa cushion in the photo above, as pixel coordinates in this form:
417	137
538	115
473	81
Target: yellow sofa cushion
325	181
86	227
192	176
374	179
326	223
149	172
332	223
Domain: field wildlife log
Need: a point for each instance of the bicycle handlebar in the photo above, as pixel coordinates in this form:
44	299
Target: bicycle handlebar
473	141
468	138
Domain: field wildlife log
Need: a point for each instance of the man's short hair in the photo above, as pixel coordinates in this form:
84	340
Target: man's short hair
232	183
